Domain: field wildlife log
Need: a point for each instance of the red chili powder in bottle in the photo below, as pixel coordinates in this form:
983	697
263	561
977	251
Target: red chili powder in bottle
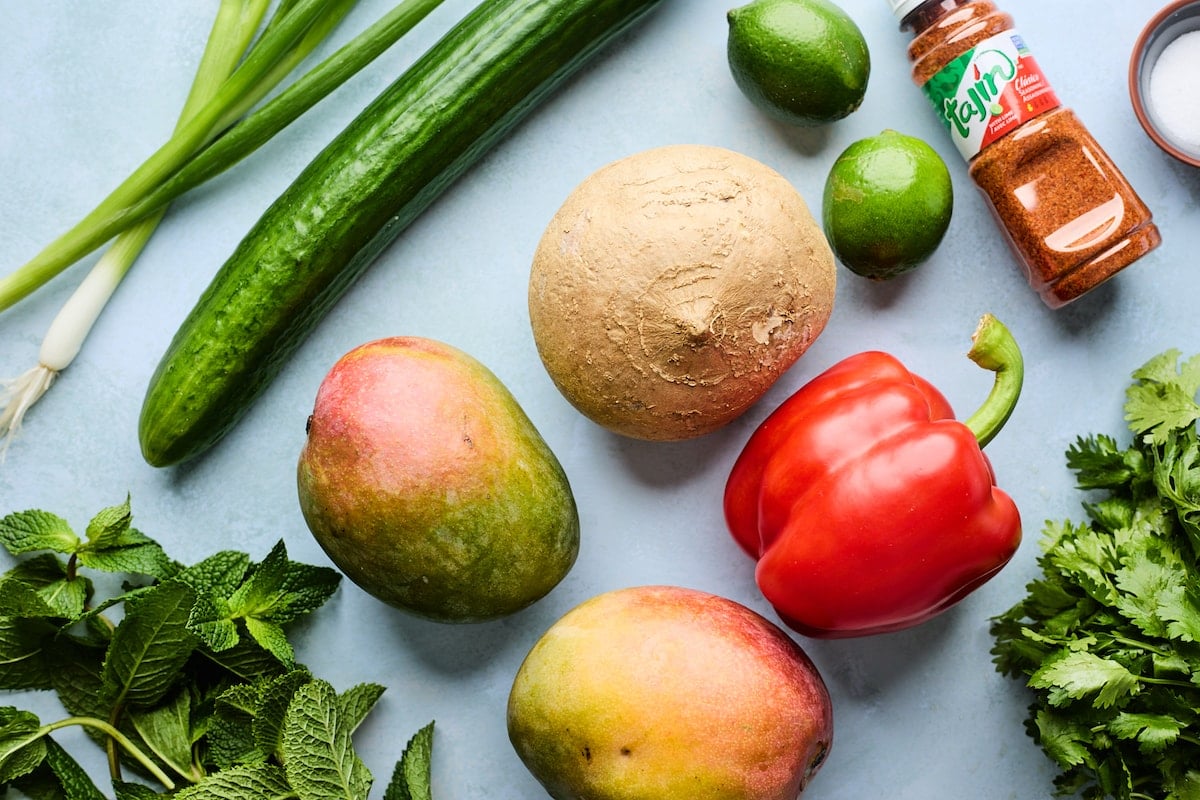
1069	214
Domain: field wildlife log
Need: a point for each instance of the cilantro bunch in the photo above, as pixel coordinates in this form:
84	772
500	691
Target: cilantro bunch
1108	638
194	686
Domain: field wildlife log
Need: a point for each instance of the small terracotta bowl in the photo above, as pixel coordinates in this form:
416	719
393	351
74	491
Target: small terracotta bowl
1176	19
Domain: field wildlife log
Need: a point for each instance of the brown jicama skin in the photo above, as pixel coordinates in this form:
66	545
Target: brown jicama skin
674	286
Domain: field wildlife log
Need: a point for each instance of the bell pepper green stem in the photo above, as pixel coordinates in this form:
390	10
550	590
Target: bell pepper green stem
994	348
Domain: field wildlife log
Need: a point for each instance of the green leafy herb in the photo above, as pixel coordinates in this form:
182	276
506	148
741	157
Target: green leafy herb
1108	637
196	686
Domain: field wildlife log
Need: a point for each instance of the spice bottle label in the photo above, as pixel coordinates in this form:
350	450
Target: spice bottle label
988	91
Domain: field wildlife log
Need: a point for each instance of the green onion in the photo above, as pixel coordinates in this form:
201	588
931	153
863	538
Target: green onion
217	129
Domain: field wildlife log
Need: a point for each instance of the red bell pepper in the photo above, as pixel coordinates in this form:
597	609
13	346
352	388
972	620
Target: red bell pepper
868	506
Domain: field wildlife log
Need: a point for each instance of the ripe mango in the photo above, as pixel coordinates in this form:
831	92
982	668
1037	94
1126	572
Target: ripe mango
665	692
428	486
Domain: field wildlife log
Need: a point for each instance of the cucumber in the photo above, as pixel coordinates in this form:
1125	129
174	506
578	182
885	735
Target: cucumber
357	195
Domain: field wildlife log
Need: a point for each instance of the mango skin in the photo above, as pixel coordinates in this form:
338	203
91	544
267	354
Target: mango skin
427	485
659	693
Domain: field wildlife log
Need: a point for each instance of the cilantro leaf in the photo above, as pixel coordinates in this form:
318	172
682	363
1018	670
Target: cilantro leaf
1162	399
1064	740
1108	637
1081	674
1177	479
1182	610
411	776
1099	463
319	758
1145	583
1153	732
26	531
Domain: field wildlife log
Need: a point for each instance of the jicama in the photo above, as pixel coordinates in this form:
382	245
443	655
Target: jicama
217	130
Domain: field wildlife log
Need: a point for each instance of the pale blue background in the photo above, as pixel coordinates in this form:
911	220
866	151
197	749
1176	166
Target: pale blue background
87	89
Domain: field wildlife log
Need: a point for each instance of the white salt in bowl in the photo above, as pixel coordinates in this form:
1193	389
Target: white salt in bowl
1164	80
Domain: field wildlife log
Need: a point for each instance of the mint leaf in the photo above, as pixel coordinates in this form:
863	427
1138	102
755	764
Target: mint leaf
357	701
319	758
76	677
141	559
218	575
246	782
22	744
166	730
113	545
23	662
411	776
210	621
272	639
271	710
75	783
150	646
231	728
247	660
66	595
133	791
109	526
279	590
19	599
26	531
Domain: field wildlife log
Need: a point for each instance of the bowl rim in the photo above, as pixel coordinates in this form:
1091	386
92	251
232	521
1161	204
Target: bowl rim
1136	65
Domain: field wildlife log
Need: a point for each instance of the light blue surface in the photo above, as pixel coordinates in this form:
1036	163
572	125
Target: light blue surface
88	89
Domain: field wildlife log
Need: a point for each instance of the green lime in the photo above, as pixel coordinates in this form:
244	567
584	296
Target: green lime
801	61
887	204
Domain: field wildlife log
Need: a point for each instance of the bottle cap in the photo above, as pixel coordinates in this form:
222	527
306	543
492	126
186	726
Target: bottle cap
902	8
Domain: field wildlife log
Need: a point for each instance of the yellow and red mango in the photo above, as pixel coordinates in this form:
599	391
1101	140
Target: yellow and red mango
429	487
665	692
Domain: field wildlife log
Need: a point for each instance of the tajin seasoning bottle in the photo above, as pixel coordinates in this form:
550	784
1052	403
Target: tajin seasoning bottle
1068	212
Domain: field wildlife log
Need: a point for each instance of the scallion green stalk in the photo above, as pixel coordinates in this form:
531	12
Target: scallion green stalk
193	155
232	32
245	83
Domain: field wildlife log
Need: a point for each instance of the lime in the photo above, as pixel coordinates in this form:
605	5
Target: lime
801	61
887	204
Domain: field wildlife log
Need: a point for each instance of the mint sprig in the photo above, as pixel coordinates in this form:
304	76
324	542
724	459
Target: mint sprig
194	687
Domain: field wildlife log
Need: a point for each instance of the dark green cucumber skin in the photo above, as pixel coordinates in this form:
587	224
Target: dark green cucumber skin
389	164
